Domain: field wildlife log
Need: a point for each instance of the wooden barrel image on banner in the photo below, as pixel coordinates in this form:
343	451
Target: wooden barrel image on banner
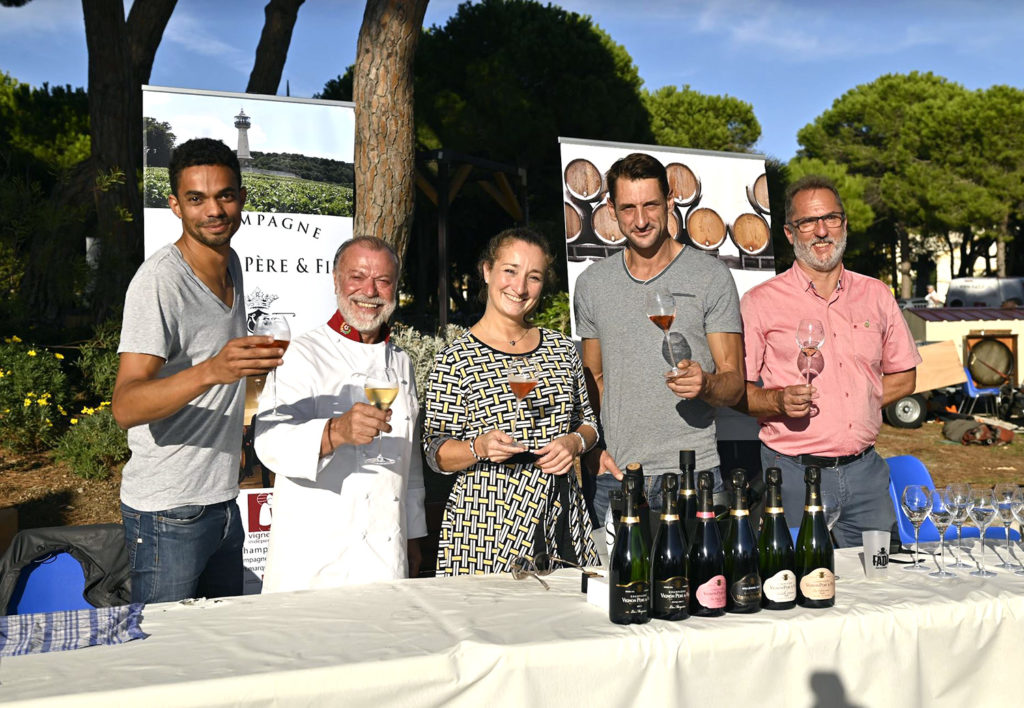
705	228
750	233
674	224
605	225
757	194
683	185
573	222
583	179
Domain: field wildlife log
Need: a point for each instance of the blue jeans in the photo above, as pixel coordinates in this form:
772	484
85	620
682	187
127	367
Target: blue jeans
860	488
188	551
652	489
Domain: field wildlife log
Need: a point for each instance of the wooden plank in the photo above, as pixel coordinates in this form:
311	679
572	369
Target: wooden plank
940	366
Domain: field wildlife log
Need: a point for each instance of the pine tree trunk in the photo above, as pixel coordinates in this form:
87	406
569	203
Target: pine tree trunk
272	51
385	139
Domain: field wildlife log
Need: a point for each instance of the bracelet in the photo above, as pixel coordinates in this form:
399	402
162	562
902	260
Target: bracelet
583	441
472	450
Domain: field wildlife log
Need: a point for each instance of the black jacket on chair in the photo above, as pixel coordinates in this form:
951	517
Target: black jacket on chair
99	548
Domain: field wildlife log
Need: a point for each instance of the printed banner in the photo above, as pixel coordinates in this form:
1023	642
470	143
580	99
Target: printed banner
296	157
255	508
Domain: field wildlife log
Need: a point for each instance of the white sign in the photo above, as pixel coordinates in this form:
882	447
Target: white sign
255	506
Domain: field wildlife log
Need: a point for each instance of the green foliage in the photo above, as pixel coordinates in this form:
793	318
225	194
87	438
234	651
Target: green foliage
553	312
939	160
47	126
33	393
266	193
687	118
98	361
93	444
159	140
422	349
317	169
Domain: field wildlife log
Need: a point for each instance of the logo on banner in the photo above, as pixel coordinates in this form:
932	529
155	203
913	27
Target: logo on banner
260	512
257	303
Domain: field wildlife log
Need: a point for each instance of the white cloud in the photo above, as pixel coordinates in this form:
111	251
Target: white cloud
193	35
40	18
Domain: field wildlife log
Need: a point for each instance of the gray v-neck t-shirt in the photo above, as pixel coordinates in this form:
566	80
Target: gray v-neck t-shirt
643	420
191	456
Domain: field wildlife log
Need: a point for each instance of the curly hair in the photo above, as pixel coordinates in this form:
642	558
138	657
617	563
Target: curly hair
201	151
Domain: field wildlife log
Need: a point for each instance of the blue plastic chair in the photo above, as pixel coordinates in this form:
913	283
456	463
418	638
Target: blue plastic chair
51	583
907	469
973	393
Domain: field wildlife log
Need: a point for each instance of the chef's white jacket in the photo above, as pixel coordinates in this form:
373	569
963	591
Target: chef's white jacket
335	522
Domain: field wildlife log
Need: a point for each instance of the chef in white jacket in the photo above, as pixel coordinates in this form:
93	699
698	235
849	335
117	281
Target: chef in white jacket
337	521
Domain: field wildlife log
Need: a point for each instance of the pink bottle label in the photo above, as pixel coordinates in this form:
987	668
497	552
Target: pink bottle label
712	593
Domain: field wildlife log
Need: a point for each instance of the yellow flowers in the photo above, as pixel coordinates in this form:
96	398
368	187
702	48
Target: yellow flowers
13	339
31	352
74	421
58	356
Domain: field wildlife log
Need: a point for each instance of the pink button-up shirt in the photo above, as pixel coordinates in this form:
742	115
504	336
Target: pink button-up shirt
865	337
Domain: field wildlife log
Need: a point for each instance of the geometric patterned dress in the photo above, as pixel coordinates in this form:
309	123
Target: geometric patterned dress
499	511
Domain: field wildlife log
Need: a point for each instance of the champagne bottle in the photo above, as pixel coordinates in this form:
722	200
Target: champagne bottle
635	471
775	550
815	563
629	596
742	570
670	590
687	494
707	561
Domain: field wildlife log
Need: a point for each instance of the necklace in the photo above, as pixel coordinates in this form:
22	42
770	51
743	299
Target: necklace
520	338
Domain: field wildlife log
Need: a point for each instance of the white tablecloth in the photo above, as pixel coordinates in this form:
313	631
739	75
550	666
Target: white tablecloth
492	641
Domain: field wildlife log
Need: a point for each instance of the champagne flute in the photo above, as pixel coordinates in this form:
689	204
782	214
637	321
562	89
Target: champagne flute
917	505
661	310
810	335
958	501
832	510
381	388
1006	494
983	513
1018	513
275	326
941	516
523	376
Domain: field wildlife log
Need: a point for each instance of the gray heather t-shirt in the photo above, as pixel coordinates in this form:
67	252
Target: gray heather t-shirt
189	457
643	420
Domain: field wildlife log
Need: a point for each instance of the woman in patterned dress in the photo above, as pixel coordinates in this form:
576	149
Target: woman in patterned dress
510	501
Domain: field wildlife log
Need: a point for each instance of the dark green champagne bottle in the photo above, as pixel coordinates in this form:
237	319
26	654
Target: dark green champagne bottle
707	561
670	590
635	471
742	570
687	494
815	563
775	550
629	595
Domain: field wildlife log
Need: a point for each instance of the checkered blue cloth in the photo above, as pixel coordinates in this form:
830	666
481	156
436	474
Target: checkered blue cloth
74	629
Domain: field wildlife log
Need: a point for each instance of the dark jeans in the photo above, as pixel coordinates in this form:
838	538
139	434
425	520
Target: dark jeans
861	490
188	551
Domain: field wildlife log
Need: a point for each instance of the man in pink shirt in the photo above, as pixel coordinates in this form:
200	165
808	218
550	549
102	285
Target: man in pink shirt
866	361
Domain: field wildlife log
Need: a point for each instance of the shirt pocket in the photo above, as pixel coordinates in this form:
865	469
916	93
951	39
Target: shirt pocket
867	344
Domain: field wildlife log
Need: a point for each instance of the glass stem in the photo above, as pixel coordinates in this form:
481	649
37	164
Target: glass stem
942	552
959	543
380	444
1006	527
981	562
273	383
917	546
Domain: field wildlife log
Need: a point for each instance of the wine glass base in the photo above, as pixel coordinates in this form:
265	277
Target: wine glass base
919	567
378	460
960	565
982	573
1007	566
941	574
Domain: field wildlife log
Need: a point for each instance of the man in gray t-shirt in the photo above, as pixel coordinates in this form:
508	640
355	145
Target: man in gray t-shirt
180	389
646	417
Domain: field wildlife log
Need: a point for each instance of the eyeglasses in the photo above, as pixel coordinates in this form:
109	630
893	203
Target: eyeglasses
833	220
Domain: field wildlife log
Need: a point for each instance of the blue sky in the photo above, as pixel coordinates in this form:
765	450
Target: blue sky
789	59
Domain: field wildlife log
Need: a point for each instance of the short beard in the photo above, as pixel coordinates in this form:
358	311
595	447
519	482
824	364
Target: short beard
804	253
359	320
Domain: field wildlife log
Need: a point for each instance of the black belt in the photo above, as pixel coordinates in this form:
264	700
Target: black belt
833	461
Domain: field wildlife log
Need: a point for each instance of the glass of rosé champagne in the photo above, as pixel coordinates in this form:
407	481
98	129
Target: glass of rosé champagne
660	306
523	376
275	326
